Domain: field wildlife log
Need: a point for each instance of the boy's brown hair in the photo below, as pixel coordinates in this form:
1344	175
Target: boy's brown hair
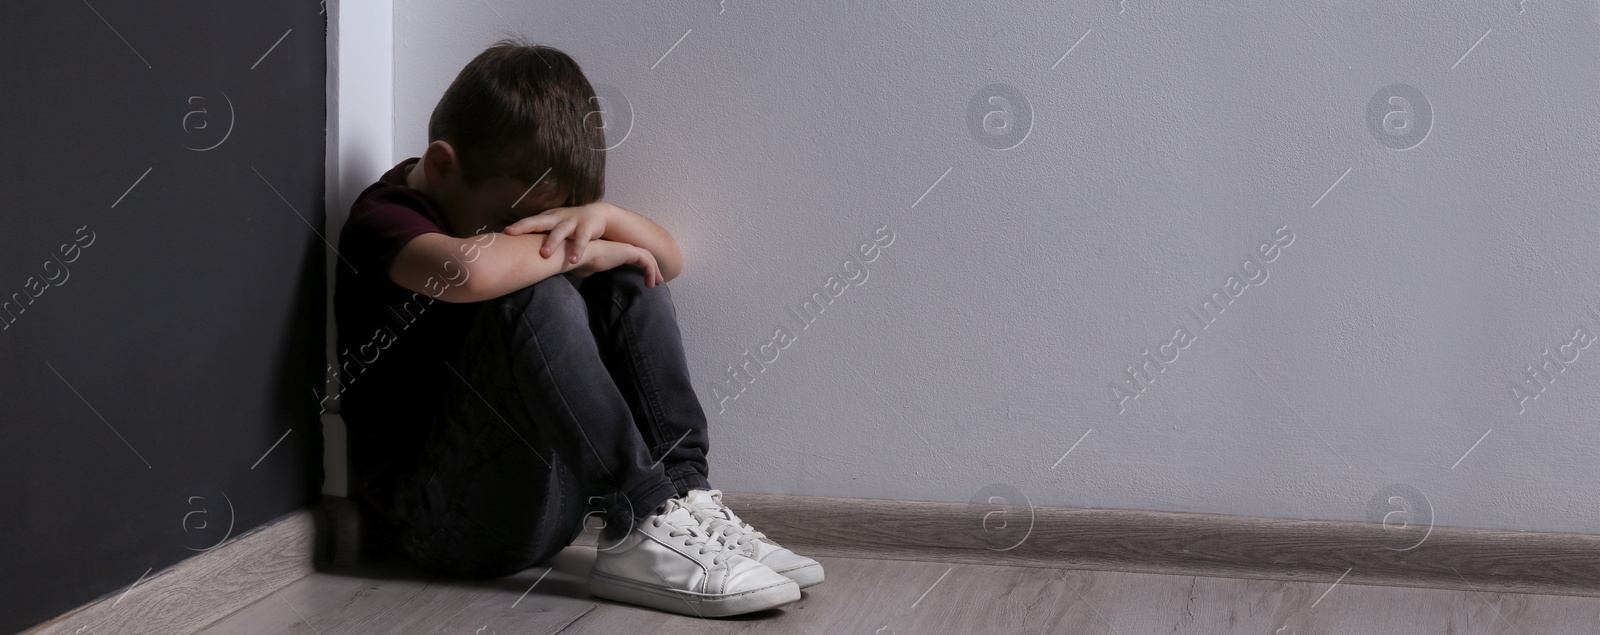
519	109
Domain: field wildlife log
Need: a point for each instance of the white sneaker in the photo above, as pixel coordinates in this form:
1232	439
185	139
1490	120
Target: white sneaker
668	562
717	518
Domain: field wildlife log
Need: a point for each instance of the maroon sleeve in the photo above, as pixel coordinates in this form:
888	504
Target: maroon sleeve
376	232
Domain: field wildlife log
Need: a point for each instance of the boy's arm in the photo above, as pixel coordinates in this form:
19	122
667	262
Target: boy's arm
475	269
626	226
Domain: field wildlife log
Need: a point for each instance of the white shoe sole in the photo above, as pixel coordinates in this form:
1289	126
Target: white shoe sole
691	603
808	575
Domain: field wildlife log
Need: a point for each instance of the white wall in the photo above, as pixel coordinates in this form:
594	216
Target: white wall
1172	140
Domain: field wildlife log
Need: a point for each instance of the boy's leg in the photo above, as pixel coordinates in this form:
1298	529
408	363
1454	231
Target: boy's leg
636	329
530	428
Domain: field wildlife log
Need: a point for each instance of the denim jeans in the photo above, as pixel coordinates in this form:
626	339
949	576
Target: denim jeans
573	394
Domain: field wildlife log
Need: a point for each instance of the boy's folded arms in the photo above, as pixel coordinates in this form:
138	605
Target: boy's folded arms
480	268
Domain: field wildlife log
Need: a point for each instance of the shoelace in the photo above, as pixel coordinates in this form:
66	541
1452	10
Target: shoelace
718	522
697	536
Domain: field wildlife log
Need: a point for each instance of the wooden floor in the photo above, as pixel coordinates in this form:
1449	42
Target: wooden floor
891	596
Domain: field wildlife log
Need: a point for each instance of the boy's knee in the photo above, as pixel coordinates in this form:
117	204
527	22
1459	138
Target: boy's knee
626	283
631	275
553	297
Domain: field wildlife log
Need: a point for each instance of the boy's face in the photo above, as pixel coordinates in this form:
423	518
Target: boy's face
487	207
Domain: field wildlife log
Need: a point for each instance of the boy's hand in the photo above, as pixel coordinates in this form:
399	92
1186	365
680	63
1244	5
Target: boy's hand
581	224
609	254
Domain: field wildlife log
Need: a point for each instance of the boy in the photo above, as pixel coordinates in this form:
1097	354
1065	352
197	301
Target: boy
510	354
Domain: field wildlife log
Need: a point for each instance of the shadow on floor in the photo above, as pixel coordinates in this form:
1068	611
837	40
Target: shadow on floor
565	575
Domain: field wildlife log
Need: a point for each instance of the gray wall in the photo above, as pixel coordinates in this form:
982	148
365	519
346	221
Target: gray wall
161	307
1437	251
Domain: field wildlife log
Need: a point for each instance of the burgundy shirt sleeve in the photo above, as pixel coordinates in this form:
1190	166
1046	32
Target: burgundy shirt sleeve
386	217
378	234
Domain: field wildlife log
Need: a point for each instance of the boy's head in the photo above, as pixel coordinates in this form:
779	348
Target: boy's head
516	115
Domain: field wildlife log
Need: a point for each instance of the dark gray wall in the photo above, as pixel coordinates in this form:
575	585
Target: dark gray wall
161	172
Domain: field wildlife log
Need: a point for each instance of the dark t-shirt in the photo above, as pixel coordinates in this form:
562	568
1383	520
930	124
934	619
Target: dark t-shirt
393	343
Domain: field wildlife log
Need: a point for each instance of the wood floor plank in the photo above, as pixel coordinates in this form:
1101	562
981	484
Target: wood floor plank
321	602
1541	614
893	596
203	589
885	597
1232	605
1373	609
395	598
277	613
1144	564
543	599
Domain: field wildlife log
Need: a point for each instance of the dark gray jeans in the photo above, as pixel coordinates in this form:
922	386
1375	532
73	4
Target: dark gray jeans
575	395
